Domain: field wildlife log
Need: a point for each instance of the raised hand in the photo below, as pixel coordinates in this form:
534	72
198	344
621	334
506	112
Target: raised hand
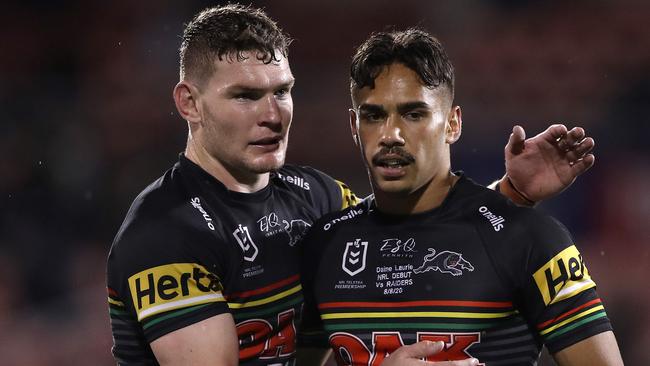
543	166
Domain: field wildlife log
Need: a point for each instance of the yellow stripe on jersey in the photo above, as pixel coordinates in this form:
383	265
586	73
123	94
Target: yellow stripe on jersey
417	314
173	286
571	319
564	276
115	302
348	197
283	294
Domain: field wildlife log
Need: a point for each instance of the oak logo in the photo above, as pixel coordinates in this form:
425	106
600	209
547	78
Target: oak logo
351	350
173	286
260	339
564	276
354	257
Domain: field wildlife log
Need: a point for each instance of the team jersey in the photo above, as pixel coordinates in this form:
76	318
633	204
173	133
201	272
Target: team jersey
492	280
190	249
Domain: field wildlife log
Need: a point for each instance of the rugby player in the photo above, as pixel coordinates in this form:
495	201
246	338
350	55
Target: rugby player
434	257
205	269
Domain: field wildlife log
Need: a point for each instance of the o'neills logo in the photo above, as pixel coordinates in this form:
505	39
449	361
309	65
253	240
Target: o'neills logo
352	213
496	221
196	203
173	286
299	181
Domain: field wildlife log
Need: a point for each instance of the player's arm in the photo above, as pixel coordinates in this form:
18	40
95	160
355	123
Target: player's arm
212	341
598	350
542	166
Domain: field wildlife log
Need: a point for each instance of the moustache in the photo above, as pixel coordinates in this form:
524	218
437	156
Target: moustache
390	152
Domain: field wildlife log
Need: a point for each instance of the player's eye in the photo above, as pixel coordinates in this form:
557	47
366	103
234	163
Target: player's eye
372	116
282	93
246	96
414	116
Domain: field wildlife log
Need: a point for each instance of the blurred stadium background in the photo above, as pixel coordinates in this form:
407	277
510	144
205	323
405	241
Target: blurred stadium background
88	121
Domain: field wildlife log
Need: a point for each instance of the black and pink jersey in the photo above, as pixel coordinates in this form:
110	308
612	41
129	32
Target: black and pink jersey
190	249
492	280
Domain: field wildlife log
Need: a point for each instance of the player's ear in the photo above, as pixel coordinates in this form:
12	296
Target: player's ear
353	126
185	97
454	125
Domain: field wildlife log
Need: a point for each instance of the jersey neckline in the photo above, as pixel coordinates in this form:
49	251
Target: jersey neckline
397	218
215	186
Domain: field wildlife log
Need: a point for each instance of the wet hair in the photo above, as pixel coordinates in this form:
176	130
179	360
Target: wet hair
414	48
229	31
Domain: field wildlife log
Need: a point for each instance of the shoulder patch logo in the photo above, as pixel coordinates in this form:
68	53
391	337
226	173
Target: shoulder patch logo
246	243
564	276
444	262
354	257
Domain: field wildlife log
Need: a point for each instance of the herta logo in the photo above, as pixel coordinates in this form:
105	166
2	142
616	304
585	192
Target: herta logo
354	257
173	286
564	276
246	243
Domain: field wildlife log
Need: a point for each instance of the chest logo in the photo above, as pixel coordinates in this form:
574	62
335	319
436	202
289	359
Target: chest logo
444	262
296	229
244	240
354	257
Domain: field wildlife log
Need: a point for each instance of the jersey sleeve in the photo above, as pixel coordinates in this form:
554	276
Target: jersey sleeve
559	296
158	282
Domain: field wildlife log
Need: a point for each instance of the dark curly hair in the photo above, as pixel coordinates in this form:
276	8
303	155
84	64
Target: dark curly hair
229	31
415	48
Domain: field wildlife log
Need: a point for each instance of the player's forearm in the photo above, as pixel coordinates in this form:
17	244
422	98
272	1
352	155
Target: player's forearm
598	350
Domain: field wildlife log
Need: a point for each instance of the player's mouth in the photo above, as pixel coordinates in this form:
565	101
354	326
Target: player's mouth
393	163
267	144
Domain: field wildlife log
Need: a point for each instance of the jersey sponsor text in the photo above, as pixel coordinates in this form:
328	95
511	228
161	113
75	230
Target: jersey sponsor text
563	276
173	286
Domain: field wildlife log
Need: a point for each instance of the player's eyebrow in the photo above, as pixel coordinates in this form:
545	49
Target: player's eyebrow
238	88
371	108
409	106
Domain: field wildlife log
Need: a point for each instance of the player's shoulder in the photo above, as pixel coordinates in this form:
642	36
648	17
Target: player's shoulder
349	216
493	212
302	177
315	187
159	216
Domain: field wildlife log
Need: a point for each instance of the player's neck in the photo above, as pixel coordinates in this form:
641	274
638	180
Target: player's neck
424	199
234	180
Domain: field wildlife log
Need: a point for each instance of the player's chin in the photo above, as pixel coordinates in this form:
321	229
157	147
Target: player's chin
267	163
392	186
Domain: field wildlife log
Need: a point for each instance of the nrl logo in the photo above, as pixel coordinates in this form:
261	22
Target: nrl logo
354	257
444	262
246	243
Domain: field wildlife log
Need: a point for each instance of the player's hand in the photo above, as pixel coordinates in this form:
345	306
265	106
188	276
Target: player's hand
411	356
545	165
